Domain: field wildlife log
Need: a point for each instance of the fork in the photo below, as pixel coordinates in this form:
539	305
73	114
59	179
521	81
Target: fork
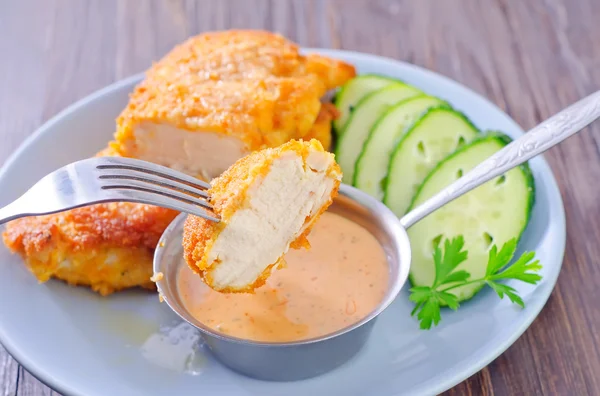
112	179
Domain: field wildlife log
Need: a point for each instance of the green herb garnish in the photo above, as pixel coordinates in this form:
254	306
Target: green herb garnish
429	299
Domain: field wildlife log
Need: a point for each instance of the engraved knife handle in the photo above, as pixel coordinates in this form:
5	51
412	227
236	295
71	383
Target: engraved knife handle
539	139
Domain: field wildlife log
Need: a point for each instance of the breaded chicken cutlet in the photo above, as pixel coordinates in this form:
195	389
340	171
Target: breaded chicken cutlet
221	95
267	202
207	103
108	247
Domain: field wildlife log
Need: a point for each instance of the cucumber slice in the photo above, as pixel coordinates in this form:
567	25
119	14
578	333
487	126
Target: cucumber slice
490	215
366	112
352	92
439	132
373	162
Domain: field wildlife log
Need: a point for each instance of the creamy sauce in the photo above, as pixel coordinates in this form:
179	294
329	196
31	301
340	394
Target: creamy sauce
336	283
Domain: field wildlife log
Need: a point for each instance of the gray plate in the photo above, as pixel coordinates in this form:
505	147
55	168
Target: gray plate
129	344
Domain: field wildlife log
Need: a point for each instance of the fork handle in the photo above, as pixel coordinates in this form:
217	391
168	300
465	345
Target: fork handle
539	139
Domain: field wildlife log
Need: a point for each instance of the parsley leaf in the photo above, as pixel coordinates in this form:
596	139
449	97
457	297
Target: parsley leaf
444	264
497	260
429	299
429	313
429	303
524	269
502	289
458	276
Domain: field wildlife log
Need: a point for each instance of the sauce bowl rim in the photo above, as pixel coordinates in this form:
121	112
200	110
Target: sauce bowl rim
363	199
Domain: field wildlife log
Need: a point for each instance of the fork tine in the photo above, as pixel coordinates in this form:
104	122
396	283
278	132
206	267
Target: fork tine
152	198
152	179
150	168
128	184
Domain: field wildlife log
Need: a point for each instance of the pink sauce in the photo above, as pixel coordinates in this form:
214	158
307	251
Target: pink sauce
336	283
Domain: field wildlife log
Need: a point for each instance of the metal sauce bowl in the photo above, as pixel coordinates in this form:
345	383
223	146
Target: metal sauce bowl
288	361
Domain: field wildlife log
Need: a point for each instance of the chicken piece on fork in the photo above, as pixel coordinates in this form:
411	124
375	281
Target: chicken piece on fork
267	202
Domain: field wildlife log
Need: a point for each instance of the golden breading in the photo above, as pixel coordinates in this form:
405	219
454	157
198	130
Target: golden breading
252	85
267	202
108	247
247	55
321	129
260	113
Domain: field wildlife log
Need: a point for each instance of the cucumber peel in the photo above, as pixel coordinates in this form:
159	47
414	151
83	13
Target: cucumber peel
373	162
435	135
492	214
365	114
352	92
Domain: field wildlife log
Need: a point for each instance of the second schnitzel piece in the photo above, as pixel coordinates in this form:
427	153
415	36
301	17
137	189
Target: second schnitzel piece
267	202
108	246
220	95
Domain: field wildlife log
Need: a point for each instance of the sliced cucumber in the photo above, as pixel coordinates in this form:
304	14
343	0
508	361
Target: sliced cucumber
373	162
366	112
490	215
439	132
352	92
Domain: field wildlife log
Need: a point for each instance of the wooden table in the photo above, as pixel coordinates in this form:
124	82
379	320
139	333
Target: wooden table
531	57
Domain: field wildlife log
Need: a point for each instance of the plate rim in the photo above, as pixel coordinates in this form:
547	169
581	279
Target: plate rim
452	378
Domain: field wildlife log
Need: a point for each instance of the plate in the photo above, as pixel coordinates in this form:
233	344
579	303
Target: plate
129	344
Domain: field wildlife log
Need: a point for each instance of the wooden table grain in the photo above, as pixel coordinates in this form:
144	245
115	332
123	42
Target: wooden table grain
530	57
